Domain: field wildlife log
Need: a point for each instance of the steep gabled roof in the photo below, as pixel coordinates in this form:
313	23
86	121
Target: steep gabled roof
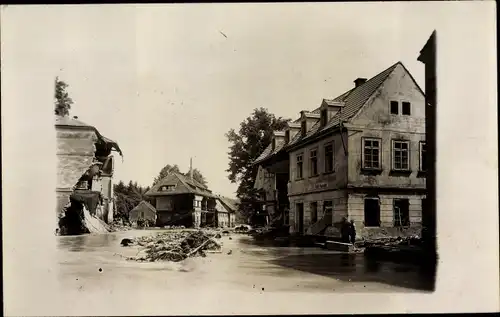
183	185
229	203
280	143
144	204
353	100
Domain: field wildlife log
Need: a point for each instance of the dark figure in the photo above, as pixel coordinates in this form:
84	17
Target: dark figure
352	233
345	230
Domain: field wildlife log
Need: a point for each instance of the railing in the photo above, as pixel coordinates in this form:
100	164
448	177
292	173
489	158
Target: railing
319	225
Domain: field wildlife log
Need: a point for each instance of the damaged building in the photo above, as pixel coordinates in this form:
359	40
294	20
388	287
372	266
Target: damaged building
359	156
84	181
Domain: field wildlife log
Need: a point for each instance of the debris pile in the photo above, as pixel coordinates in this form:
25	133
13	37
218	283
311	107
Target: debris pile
389	241
174	246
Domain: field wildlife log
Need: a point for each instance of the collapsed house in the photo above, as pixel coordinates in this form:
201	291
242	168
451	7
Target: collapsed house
84	177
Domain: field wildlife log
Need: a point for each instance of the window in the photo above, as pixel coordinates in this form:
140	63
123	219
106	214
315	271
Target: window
299	166
406	108
372	212
324	117
314	212
329	157
423	156
303	127
401	212
314	162
371	153
400	158
273	144
167	188
394	107
287	136
142	214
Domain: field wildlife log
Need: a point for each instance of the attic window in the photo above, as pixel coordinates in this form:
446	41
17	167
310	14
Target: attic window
273	143
167	188
287	136
303	128
324	117
394	107
406	108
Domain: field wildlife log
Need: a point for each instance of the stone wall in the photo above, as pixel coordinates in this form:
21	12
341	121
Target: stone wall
75	152
356	212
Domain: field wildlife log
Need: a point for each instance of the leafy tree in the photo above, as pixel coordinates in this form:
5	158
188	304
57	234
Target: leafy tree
62	100
197	175
127	197
165	171
247	144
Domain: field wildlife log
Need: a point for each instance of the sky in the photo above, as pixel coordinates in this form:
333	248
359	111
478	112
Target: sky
168	81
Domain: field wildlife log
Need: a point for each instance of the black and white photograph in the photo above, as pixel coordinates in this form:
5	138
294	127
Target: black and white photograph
249	158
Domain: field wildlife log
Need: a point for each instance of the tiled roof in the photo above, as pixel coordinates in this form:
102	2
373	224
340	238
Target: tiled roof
144	204
183	185
230	203
353	100
268	152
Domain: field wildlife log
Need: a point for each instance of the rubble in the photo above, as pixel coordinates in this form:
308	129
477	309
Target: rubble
174	246
389	241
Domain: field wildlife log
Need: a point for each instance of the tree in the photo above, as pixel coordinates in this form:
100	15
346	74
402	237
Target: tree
165	171
127	197
197	175
253	137
62	100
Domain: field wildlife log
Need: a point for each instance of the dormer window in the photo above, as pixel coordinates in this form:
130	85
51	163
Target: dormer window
324	117
166	188
287	136
303	127
273	144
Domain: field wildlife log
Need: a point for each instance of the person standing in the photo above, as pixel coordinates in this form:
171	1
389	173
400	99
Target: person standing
345	230
352	230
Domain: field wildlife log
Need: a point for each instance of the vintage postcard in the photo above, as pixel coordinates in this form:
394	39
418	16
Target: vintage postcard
300	158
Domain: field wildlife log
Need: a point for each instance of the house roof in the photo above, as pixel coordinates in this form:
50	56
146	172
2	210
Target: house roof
232	204
67	121
144	204
183	185
353	100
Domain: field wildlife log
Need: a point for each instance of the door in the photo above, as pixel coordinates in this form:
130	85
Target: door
300	217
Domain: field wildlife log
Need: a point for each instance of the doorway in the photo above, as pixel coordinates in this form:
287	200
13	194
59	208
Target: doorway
300	217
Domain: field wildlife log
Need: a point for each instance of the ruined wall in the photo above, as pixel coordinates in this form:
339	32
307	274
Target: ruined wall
338	198
323	181
75	152
356	213
375	120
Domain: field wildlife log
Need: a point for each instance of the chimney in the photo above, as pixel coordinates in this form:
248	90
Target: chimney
359	81
191	168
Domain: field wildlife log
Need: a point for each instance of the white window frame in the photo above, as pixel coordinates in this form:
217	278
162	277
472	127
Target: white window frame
379	153
421	145
393	154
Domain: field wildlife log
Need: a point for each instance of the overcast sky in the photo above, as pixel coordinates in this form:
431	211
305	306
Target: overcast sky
164	82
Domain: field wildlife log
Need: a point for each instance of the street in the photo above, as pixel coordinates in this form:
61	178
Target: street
97	262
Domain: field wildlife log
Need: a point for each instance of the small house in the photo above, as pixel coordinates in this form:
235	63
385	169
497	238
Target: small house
144	212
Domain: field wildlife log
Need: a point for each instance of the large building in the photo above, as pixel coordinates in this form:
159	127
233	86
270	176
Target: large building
85	167
358	156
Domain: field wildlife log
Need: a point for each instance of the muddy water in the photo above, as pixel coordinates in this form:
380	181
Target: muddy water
97	261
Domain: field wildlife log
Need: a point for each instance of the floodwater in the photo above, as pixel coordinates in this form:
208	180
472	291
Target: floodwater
97	261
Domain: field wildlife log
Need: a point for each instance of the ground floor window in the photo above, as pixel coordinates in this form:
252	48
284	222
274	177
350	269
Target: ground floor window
314	212
372	212
401	212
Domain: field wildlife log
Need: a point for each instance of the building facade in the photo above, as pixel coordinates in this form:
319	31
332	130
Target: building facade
85	167
143	212
359	156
